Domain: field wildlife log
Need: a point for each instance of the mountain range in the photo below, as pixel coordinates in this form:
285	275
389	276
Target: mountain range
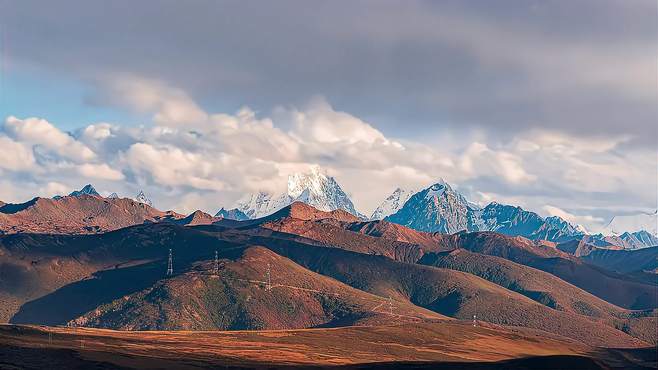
301	267
440	208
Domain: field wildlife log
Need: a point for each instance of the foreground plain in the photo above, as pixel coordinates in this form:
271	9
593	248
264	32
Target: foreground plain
450	344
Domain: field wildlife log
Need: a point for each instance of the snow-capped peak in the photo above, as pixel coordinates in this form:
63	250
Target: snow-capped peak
113	196
392	204
142	198
436	190
312	181
86	190
314	188
632	223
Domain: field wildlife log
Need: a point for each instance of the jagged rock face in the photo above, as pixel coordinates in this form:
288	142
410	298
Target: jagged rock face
232	214
86	190
436	209
315	188
439	208
142	198
634	240
392	204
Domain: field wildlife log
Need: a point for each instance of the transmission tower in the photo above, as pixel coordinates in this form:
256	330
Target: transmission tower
475	320
269	278
216	268
170	264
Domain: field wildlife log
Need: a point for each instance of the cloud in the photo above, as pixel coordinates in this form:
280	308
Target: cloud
208	160
42	133
99	171
592	224
171	106
15	156
587	69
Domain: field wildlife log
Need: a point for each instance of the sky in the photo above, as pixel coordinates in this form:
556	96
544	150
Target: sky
550	105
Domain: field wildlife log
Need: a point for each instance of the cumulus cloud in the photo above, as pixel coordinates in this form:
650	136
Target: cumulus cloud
589	222
40	132
208	160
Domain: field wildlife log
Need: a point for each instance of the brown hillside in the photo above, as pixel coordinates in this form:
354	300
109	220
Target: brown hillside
303	211
198	218
452	293
239	298
618	289
547	289
77	215
389	230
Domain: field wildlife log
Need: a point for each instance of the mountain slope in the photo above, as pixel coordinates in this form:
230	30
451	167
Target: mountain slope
232	214
439	208
241	298
625	261
615	288
547	289
77	215
392	204
86	190
449	292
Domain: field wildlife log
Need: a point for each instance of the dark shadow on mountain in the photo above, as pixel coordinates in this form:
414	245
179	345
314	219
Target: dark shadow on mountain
73	300
10	208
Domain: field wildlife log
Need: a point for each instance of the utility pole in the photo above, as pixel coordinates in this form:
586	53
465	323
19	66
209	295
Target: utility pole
390	306
269	278
216	268
170	264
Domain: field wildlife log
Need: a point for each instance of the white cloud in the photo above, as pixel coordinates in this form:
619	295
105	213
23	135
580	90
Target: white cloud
15	156
170	106
193	159
41	132
99	171
591	223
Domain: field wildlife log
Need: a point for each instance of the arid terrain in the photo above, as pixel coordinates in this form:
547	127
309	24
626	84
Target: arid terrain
305	287
449	344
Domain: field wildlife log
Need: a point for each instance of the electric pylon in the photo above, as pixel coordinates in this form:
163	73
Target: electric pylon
216	268
269	278
170	264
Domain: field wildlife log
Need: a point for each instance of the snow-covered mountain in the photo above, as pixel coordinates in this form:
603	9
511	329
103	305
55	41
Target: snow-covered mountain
113	196
439	208
142	198
86	190
231	214
392	204
313	188
632	223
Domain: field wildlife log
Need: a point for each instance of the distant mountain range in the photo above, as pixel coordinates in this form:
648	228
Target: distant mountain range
439	208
